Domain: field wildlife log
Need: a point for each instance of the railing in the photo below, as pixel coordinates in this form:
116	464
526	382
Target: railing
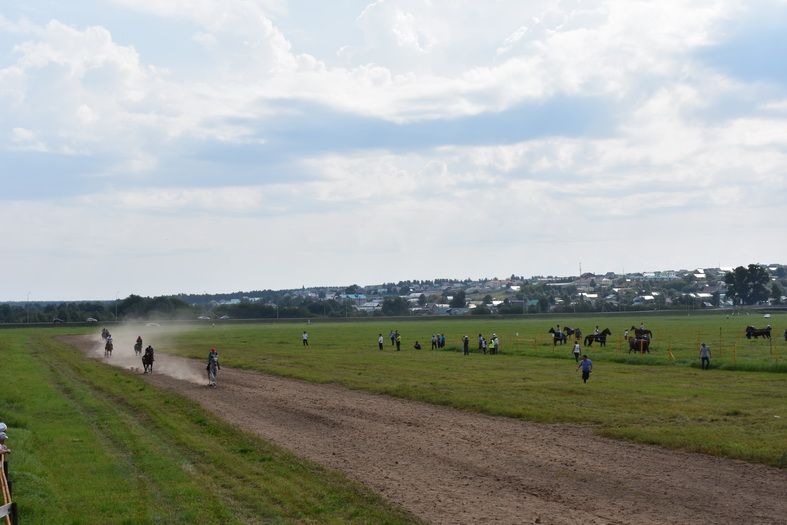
8	511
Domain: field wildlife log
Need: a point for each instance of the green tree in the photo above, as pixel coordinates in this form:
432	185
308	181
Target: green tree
747	285
422	300
395	306
776	293
458	300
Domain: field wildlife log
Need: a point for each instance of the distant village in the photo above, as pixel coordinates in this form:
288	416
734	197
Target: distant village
699	288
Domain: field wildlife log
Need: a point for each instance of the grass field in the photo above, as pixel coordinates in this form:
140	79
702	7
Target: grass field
737	409
95	445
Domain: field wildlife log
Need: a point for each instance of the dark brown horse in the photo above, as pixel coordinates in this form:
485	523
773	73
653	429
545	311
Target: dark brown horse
557	337
576	332
600	338
147	360
639	333
758	332
641	344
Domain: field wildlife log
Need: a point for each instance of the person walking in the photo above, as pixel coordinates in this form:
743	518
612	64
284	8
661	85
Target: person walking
213	367
483	345
380	342
704	357
577	351
305	338
466	345
587	366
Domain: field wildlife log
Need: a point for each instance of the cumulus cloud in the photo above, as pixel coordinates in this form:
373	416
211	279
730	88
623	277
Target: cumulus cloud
429	121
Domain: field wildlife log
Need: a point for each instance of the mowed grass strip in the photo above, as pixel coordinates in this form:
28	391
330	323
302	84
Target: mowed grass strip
93	444
728	413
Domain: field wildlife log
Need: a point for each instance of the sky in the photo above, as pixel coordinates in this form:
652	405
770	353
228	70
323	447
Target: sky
199	146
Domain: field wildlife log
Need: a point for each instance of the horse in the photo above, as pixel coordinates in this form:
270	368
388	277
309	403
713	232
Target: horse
108	348
576	332
600	338
557	337
105	334
639	333
758	332
138	348
641	344
147	360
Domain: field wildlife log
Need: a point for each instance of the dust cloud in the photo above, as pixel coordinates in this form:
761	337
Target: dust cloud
123	356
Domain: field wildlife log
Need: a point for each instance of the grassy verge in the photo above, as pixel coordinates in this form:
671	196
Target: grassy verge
92	444
729	413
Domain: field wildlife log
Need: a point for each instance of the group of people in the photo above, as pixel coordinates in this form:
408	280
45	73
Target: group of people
492	345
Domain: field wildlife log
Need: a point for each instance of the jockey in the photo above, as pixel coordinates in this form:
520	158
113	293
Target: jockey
213	366
595	331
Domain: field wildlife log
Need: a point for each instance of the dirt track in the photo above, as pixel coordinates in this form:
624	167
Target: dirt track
448	466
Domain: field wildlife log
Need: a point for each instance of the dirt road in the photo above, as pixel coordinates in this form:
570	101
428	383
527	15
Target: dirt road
448	466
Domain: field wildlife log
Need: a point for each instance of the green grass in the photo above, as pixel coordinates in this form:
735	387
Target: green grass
93	444
734	413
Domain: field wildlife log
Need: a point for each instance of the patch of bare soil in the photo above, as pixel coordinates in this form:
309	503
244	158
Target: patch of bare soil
448	466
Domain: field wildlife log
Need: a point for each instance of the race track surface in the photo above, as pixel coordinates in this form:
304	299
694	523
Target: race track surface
448	466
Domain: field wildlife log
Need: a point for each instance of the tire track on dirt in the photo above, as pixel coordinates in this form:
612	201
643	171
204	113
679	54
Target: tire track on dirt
448	466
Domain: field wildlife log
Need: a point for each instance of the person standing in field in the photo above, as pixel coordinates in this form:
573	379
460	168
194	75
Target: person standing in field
305	338
704	357
380	342
392	335
492	343
587	366
577	351
213	366
466	345
434	342
480	342
497	343
398	341
483	345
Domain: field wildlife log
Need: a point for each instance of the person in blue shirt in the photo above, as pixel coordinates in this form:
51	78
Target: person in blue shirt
587	366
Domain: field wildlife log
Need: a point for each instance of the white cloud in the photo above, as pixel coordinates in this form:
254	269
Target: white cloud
666	157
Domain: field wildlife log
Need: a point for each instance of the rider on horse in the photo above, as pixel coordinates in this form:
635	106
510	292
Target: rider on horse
147	360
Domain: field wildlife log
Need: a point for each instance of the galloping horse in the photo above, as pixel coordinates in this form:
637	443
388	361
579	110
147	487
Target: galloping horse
108	348
639	344
758	332
138	348
600	338
639	333
576	332
557	337
147	360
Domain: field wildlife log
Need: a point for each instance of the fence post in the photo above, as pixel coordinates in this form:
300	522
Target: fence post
720	341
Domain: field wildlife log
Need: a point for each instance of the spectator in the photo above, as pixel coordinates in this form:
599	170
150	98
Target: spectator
587	366
704	357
